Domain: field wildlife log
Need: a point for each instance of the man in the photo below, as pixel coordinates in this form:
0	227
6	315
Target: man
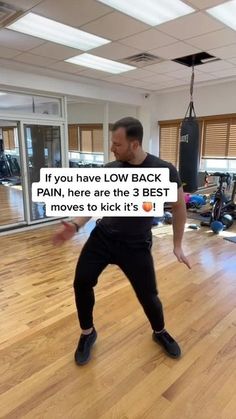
126	242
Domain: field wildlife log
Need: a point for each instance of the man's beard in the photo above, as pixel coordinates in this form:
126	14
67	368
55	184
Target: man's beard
129	156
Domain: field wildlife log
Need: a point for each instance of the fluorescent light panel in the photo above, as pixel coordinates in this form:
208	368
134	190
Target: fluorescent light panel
152	12
99	63
50	30
226	13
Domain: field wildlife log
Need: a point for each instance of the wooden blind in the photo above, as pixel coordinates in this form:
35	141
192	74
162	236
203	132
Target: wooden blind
232	139
86	137
91	139
219	138
86	140
73	137
169	142
215	137
98	140
8	138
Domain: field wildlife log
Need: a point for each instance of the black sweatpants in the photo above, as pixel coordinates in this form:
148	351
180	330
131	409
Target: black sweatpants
133	257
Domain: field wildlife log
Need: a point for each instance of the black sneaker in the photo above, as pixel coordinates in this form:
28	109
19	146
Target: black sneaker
168	343
82	353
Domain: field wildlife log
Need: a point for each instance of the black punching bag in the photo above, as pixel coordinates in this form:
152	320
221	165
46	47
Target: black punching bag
189	148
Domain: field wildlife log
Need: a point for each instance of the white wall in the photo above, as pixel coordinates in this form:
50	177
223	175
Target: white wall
147	114
62	85
214	99
86	113
118	111
123	101
89	113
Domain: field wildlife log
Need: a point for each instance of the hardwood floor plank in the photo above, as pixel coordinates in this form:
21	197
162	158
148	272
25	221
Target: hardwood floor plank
129	376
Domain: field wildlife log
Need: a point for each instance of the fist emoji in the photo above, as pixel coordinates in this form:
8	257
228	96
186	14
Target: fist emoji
147	206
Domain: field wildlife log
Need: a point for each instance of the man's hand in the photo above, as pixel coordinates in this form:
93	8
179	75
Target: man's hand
178	252
66	233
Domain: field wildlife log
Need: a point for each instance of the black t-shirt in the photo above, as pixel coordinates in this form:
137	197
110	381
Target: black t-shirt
136	226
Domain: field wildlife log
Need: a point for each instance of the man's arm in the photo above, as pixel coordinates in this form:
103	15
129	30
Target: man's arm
179	220
69	229
80	222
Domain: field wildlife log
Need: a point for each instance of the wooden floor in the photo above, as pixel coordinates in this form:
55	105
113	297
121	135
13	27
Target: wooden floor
129	377
12	207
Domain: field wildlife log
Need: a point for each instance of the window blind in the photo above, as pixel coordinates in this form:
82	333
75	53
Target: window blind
219	138
169	142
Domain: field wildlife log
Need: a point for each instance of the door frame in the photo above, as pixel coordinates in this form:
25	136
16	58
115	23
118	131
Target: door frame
64	161
22	223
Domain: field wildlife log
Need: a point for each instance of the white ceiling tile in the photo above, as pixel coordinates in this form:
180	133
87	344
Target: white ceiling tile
72	12
204	4
8	53
215	66
158	78
56	51
115	26
184	73
148	40
17	65
191	25
152	88
157	87
94	74
151	82
66	67
128	86
179	49
123	82
226	52
12	39
24	4
175	83
138	74
225	73
199	76
146	85
117	79
114	51
232	60
34	59
164	67
132	83
214	39
201	31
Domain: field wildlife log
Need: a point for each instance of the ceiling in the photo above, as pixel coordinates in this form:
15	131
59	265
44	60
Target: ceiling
186	35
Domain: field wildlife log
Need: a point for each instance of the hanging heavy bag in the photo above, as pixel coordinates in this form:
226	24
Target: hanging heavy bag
189	148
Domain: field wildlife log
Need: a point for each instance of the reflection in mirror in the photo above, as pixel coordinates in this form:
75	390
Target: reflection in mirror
27	104
43	146
11	193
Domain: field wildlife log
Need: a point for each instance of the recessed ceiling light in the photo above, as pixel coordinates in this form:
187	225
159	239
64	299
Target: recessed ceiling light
2	94
50	30
152	12
99	63
226	13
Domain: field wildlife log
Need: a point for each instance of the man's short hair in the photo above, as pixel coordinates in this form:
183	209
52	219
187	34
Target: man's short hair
133	128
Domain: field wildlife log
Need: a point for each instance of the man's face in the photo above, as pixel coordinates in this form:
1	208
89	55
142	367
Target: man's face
123	149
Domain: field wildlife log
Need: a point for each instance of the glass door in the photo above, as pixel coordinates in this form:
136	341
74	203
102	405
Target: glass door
11	186
43	149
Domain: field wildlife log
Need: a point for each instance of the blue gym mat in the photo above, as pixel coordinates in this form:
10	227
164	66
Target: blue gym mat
231	239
